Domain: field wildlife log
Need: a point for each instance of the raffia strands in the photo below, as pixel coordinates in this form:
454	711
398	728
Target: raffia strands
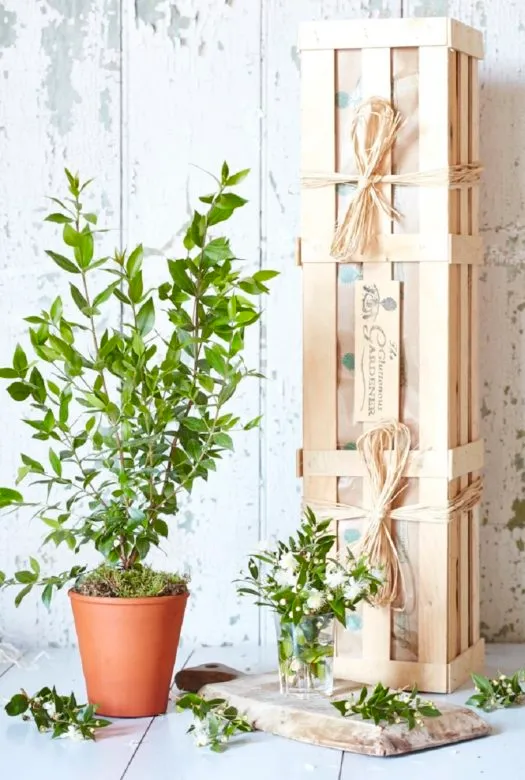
373	134
385	487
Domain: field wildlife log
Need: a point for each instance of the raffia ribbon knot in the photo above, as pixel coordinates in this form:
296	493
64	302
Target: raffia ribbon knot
385	478
373	134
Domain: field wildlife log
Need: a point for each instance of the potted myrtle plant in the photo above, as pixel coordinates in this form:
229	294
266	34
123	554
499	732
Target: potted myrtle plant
129	415
308	586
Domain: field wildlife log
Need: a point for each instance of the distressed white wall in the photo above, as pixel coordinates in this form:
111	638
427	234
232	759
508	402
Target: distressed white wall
134	91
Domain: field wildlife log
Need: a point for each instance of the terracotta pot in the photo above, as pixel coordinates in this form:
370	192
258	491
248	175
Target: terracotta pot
128	649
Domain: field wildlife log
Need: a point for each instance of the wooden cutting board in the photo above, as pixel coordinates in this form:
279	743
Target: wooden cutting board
317	722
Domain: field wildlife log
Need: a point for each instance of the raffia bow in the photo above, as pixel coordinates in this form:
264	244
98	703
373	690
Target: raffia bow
385	476
373	133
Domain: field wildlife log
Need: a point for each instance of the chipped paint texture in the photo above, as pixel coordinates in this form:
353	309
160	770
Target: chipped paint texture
134	92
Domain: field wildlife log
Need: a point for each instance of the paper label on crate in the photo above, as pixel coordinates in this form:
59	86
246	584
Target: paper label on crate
377	361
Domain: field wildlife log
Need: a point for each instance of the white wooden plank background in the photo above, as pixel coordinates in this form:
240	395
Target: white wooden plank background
134	92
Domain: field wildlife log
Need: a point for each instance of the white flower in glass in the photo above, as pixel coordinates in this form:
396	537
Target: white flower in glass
288	562
315	600
335	577
285	578
352	589
296	665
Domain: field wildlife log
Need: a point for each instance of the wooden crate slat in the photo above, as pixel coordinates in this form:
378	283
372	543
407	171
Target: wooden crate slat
435	677
454	362
319	280
405	248
376	81
318	205
464	361
465	39
447	464
474	408
393	33
434	358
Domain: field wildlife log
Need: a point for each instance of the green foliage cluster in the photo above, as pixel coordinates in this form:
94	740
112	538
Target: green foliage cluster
214	720
60	715
130	415
302	578
501	692
383	705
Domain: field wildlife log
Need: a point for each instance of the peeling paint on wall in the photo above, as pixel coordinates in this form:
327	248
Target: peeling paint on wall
149	12
518	518
62	41
7	28
429	8
105	113
481	13
178	25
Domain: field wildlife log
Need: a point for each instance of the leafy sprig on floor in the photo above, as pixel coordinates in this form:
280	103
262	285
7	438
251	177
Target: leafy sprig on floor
384	705
61	715
214	721
498	693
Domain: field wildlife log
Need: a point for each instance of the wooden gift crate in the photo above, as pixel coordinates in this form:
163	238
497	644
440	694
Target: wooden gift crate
428	69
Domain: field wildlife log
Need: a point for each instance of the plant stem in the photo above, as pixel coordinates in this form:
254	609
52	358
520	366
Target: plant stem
118	440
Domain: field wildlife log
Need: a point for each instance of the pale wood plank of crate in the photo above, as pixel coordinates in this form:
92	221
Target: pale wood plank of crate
474	410
434	358
401	247
348	80
393	33
376	81
464	362
447	464
319	280
454	361
405	94
436	677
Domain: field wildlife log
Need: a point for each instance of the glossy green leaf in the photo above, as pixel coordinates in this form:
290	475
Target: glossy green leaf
134	262
60	219
136	288
106	294
19	391
56	310
63	262
237	178
20	596
78	298
8	373
17	705
25	576
55	462
146	317
9	497
71	236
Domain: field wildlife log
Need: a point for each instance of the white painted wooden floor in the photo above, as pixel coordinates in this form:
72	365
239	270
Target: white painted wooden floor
159	748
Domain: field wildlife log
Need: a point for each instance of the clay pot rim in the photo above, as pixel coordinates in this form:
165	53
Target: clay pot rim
125	602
